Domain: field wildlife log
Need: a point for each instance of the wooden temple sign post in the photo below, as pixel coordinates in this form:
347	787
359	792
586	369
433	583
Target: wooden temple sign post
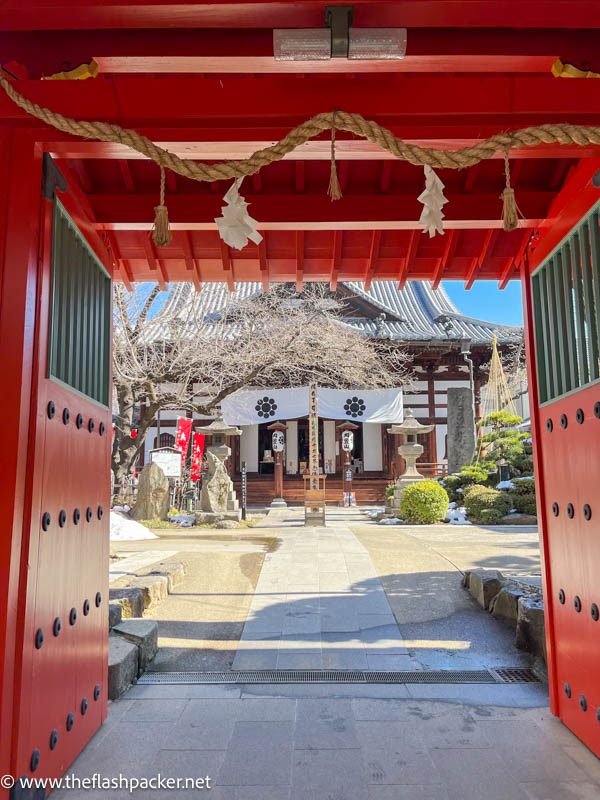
347	430
314	483
278	446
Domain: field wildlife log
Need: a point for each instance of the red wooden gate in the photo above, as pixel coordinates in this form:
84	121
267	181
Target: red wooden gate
61	671
562	299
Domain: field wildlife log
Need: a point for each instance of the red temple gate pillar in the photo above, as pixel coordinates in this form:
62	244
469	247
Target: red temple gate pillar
20	201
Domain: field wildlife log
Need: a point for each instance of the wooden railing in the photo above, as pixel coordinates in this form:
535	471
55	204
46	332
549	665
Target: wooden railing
435	469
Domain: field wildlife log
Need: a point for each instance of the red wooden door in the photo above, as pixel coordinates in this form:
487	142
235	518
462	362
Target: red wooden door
563	311
61	689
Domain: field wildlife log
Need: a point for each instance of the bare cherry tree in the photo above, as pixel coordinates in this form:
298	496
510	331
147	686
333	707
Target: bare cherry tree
197	348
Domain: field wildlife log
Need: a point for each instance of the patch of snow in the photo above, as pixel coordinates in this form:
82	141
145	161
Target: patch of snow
505	485
459	490
123	509
127	530
390	521
184	520
452	504
457	516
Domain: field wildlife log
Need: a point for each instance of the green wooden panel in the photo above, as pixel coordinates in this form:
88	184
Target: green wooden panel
551	306
589	302
569	317
594	224
80	318
540	341
563	354
580	329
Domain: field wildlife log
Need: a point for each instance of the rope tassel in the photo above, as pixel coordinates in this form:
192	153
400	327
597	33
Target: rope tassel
510	209
161	233
334	191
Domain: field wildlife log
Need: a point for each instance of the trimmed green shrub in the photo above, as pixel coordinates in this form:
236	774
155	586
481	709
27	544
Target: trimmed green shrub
523	495
424	502
485	505
389	490
468	476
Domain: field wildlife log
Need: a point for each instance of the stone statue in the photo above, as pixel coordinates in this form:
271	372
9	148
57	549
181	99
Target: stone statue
152	501
217	498
217	487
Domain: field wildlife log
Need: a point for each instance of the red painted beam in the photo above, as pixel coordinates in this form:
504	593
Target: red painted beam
60	14
238	51
281	100
200	145
315	212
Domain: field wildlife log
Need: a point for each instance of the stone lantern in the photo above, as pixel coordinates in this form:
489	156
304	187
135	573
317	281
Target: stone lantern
410	451
218	499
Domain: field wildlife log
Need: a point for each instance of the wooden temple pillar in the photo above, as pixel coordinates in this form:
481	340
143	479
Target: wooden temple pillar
278	429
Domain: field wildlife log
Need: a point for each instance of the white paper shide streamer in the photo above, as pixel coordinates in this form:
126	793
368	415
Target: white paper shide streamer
433	201
236	226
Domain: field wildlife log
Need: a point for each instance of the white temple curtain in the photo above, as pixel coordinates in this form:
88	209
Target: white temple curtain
253	406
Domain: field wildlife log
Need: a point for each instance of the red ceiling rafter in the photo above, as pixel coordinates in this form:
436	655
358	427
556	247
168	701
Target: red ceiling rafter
413	244
154	263
227	265
299	260
127	176
121	263
335	259
264	264
384	180
515	262
488	246
448	254
190	261
371	263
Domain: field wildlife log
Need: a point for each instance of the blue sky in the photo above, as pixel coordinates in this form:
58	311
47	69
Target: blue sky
485	301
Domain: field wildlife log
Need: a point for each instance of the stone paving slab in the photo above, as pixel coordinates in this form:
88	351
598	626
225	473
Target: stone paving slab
334	613
347	748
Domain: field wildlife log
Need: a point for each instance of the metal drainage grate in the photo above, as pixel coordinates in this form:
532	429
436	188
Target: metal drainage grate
515	675
501	675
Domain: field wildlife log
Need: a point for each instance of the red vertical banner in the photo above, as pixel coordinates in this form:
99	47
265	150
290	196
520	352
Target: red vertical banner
182	436
197	454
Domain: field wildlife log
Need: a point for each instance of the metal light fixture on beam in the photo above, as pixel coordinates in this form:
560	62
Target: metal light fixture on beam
338	40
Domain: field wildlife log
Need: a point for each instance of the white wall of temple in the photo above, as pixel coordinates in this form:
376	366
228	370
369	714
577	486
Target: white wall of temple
328	446
372	447
291	447
441	432
249	447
